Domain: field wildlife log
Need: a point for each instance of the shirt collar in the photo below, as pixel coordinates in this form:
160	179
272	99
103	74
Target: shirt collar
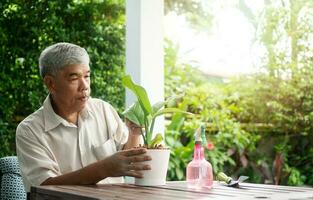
52	120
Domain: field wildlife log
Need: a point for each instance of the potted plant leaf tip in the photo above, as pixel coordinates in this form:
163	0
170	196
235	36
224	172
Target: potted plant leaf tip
144	114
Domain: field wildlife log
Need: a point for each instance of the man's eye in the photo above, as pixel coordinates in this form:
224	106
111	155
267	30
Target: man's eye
87	76
74	79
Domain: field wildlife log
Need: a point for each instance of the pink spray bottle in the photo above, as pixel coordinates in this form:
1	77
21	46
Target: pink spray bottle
199	171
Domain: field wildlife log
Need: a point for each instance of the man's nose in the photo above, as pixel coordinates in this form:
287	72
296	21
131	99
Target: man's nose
84	84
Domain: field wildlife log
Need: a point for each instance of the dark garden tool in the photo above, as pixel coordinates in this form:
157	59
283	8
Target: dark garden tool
230	182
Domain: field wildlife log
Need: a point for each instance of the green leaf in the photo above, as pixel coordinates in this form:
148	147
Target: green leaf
179	173
156	140
177	122
140	93
135	114
170	110
170	141
157	106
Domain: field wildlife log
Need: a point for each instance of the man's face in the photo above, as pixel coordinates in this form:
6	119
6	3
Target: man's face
71	87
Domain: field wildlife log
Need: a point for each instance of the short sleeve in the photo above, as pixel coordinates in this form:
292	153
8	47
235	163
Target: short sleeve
120	131
35	159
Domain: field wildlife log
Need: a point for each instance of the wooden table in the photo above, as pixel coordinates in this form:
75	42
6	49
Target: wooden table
172	190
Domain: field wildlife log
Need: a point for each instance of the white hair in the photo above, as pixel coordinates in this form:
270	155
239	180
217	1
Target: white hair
57	56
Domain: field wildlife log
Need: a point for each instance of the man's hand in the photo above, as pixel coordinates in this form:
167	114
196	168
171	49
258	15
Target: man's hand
122	163
132	127
134	135
127	163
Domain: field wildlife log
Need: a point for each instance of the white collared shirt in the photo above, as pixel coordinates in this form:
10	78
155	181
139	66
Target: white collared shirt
47	145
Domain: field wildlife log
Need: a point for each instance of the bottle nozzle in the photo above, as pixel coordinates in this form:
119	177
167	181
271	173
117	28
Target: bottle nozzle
203	137
198	135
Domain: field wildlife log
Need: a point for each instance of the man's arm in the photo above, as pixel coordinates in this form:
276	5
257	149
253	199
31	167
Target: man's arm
123	163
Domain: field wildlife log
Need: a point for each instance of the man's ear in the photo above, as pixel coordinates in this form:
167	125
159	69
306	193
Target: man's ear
50	83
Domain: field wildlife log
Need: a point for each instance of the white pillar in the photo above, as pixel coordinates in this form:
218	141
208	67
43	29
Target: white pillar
144	50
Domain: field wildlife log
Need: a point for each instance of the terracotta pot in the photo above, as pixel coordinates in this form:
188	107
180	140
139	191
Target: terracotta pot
159	164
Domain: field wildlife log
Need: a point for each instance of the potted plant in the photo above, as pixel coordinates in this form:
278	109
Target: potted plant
144	114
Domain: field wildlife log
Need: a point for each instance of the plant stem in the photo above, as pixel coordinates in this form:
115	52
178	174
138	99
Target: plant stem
151	128
147	133
143	136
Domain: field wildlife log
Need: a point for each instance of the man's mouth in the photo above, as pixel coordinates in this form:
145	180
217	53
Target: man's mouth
83	98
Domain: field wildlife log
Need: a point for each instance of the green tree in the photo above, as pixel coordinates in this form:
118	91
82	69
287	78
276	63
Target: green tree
283	93
27	27
196	12
213	106
271	110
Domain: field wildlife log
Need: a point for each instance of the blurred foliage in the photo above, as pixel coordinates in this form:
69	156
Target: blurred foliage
261	125
27	27
212	106
283	94
195	12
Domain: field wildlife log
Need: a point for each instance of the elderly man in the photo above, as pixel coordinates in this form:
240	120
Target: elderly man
73	138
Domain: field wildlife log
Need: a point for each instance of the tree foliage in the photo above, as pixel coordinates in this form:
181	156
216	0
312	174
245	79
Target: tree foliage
261	124
211	104
284	92
27	27
194	11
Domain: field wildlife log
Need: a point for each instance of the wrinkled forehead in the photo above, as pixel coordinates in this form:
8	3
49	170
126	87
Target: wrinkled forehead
75	69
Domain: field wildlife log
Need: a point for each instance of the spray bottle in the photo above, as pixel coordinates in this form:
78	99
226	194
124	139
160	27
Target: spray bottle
199	171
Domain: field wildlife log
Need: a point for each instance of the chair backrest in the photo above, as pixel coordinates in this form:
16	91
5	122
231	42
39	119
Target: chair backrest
11	183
